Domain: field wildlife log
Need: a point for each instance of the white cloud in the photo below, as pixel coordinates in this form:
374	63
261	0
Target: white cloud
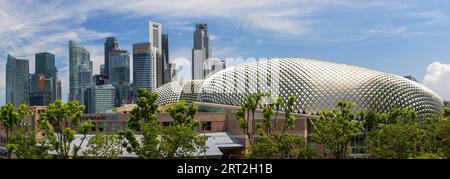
438	79
431	17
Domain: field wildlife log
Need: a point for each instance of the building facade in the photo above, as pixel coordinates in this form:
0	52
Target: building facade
171	73
201	51
143	67
44	82
78	56
17	81
110	44
214	66
119	74
100	99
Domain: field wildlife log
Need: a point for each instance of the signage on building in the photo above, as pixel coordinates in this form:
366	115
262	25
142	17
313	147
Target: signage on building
41	81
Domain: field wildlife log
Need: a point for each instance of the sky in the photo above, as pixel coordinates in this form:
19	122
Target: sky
403	37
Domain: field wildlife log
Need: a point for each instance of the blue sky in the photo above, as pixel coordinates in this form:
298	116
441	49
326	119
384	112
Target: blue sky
408	37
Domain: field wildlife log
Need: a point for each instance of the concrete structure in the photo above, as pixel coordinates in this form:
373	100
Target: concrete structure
17	81
317	85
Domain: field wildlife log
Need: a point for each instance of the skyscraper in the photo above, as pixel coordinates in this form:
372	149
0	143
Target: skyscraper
143	67
155	39
119	75
214	66
201	51
78	56
110	44
171	73
17	81
99	99
165	60
44	82
85	79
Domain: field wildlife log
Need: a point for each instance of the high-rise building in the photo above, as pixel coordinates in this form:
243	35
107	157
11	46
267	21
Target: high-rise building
78	56
214	66
155	39
166	76
44	82
119	75
85	78
99	99
165	48
201	51
110	44
144	72
17	81
171	73
154	35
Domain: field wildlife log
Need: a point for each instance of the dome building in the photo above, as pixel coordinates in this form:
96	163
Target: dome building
317	85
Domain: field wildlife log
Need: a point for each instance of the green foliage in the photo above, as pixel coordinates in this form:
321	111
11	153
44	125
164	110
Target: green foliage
289	118
181	141
405	136
394	141
446	112
59	124
23	145
183	114
178	141
10	118
335	129
103	146
281	145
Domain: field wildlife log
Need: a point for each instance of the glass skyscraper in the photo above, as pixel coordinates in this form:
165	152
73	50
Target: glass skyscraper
78	56
17	81
143	67
110	44
119	75
99	99
44	82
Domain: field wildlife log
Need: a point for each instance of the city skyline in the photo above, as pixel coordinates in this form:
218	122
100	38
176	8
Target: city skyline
409	36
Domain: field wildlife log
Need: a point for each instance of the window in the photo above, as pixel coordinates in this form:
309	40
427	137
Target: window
206	126
167	124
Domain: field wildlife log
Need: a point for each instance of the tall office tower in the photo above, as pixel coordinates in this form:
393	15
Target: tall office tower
85	78
165	59
110	44
78	56
99	99
171	73
17	81
44	87
201	51
119	75
144	72
155	39
214	66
